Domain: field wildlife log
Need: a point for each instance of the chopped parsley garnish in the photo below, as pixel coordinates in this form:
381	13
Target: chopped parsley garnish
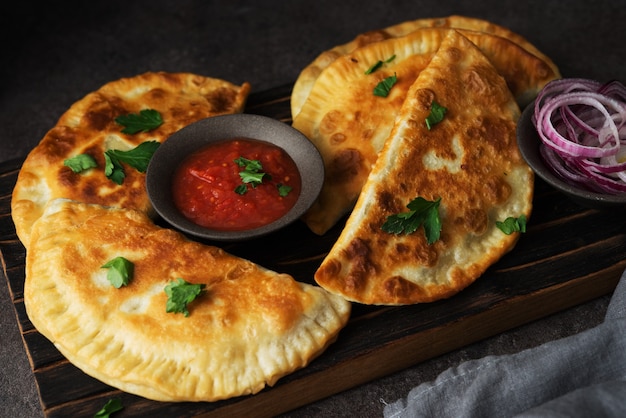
421	212
241	189
283	189
512	224
113	169
80	163
181	293
374	67
437	112
252	166
251	174
252	178
383	88
112	405
379	64
138	158
120	271
144	121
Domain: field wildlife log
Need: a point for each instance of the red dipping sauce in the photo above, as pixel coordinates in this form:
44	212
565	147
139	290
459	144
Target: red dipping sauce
204	185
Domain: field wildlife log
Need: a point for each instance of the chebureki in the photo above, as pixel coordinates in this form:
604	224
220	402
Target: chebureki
349	124
251	327
89	127
311	72
469	160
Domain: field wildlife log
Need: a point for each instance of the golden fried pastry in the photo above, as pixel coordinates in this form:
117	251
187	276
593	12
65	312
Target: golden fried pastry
349	123
468	162
89	127
247	327
311	72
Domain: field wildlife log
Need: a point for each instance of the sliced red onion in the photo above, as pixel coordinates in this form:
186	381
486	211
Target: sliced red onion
582	125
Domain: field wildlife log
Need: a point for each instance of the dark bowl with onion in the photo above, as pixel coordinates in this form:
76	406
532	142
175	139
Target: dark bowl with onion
530	144
163	174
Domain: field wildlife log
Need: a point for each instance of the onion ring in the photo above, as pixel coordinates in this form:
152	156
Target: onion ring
582	126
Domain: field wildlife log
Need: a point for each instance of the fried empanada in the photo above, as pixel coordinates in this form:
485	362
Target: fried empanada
349	123
89	127
250	327
311	72
469	160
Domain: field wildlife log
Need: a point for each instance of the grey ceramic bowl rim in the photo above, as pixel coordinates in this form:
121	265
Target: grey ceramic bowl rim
179	145
528	142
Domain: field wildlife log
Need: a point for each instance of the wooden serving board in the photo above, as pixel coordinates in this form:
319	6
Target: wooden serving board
569	255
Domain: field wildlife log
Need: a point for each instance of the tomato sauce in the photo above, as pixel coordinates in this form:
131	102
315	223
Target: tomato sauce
204	185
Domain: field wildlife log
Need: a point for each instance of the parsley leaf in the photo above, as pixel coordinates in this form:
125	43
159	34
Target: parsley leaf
146	120
374	67
379	64
436	115
251	177
391	58
251	174
80	163
512	224
120	271
383	88
283	189
421	212
112	405
180	293
113	168
249	165
138	158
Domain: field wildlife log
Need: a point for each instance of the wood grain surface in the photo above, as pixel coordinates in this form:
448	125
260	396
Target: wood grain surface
569	255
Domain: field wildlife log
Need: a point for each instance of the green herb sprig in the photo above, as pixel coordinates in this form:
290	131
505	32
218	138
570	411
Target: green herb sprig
512	224
180	293
138	158
80	163
120	271
112	405
144	121
437	112
251	174
383	88
283	189
421	212
379	64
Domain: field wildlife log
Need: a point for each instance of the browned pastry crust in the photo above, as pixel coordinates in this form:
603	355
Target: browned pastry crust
308	76
251	327
89	126
470	160
311	72
349	124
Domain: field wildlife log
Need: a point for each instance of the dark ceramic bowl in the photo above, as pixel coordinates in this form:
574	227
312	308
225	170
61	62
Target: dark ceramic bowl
172	152
528	142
